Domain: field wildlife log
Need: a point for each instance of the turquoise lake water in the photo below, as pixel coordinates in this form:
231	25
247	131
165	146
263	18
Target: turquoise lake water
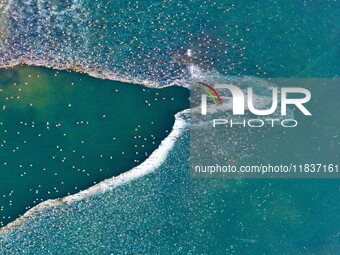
63	132
168	212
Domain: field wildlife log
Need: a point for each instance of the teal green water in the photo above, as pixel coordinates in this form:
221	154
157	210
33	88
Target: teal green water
62	132
167	212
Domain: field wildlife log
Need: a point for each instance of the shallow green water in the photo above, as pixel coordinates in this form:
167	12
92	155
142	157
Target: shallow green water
61	132
167	212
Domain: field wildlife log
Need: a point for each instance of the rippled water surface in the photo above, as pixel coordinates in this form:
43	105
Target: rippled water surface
160	43
62	132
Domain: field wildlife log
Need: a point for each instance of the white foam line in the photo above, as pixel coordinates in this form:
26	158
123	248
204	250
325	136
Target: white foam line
155	160
97	74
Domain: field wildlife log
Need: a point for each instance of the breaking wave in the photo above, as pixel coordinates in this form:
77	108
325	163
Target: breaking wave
102	43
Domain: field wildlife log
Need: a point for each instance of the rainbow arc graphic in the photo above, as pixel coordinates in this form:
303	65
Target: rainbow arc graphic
209	90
